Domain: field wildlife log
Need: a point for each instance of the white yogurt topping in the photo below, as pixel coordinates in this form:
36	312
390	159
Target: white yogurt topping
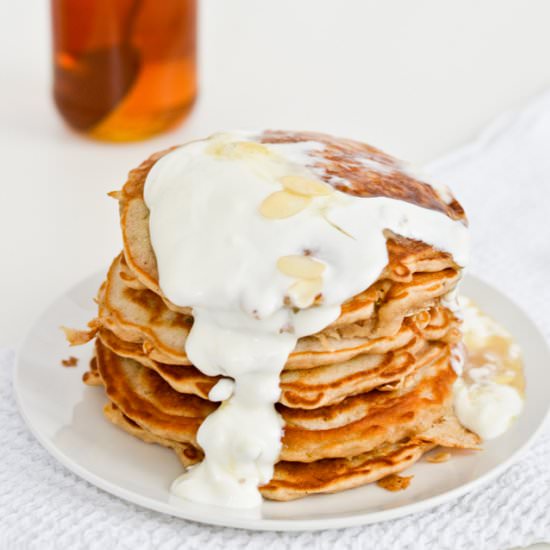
219	255
486	397
222	390
486	408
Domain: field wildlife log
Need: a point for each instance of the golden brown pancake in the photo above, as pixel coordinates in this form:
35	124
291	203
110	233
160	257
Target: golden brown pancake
182	378
340	158
292	480
187	453
330	384
148	400
138	315
309	388
367	171
355	425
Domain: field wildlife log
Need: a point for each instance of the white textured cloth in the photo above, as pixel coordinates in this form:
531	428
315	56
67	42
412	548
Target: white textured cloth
503	180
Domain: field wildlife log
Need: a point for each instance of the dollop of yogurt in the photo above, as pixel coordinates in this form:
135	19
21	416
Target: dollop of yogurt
486	408
264	252
488	394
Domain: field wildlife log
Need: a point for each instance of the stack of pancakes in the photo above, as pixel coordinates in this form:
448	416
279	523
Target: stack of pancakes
362	399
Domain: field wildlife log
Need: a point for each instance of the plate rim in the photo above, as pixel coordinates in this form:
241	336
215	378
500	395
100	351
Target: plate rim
263	524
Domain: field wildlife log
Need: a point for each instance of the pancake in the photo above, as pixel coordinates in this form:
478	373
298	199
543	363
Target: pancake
366	171
337	344
309	388
330	384
359	169
92	376
187	453
292	480
182	378
144	397
361	423
140	316
354	426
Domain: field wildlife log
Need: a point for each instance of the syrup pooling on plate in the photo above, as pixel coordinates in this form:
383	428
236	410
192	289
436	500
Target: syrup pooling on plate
265	252
489	394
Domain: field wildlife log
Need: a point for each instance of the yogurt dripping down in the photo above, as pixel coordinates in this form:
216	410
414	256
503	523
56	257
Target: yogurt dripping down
263	258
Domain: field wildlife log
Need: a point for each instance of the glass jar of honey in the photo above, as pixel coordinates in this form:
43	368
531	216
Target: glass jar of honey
124	69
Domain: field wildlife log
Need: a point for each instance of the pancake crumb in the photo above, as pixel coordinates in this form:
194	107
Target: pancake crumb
117	195
393	482
438	457
70	362
79	337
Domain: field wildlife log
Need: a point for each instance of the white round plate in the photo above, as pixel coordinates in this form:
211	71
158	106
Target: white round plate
66	417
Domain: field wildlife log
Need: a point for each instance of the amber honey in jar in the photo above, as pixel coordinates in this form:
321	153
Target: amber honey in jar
124	69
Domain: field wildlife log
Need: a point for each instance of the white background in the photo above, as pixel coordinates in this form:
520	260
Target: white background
414	77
